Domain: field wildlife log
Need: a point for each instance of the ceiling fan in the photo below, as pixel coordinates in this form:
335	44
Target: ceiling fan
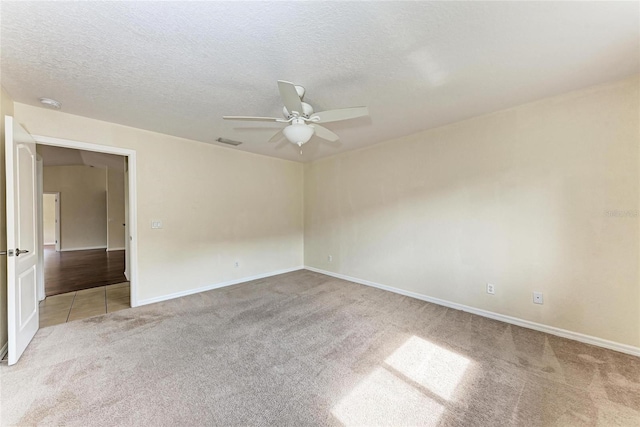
302	121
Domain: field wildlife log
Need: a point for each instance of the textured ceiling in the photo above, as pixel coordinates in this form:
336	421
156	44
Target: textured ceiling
177	67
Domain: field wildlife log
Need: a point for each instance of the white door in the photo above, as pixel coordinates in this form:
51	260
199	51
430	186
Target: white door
22	232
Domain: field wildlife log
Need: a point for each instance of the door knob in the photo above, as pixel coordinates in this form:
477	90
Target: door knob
20	251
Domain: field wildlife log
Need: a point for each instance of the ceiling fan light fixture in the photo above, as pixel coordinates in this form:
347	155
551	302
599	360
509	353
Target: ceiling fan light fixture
303	121
298	133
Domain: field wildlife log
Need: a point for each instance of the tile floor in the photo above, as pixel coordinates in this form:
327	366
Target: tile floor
82	304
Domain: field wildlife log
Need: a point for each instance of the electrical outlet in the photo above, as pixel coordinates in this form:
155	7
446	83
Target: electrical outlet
330	258
491	289
237	264
537	298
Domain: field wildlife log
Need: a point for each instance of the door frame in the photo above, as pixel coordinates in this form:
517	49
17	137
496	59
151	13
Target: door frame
41	288
57	232
132	218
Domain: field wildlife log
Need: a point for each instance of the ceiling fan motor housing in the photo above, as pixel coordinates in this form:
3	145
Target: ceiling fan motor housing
307	110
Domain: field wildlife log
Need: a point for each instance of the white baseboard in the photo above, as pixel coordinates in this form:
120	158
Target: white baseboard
4	350
588	339
116	249
216	286
88	248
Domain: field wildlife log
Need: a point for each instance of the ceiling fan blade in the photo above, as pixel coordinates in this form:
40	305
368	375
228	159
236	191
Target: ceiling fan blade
341	114
290	97
325	133
279	135
252	119
282	143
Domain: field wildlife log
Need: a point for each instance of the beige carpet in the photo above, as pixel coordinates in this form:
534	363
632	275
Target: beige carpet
307	349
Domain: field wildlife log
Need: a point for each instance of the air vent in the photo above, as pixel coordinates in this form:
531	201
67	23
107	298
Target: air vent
228	141
51	103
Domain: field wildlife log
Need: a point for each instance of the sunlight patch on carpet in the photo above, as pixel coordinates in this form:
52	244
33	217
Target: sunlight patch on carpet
411	388
383	398
429	365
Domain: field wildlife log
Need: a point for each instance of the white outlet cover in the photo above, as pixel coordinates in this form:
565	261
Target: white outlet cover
156	224
537	298
491	288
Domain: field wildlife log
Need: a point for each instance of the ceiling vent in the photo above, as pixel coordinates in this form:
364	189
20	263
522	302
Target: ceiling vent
51	103
228	141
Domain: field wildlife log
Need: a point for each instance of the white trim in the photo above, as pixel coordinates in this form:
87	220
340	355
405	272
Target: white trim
216	286
86	248
4	350
126	275
56	241
88	146
40	215
588	339
133	212
116	249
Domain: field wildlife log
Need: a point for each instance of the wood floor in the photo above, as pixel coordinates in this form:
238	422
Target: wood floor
75	270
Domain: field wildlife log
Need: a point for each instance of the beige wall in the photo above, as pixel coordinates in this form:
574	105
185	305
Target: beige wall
542	197
217	205
115	209
83	205
49	219
6	109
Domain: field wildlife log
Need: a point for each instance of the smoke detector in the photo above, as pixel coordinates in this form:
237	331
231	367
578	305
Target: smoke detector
51	103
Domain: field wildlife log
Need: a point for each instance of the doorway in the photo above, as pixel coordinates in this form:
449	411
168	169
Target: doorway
24	229
84	264
120	249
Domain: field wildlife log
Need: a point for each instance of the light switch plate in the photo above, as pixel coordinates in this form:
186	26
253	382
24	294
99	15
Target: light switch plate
156	223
